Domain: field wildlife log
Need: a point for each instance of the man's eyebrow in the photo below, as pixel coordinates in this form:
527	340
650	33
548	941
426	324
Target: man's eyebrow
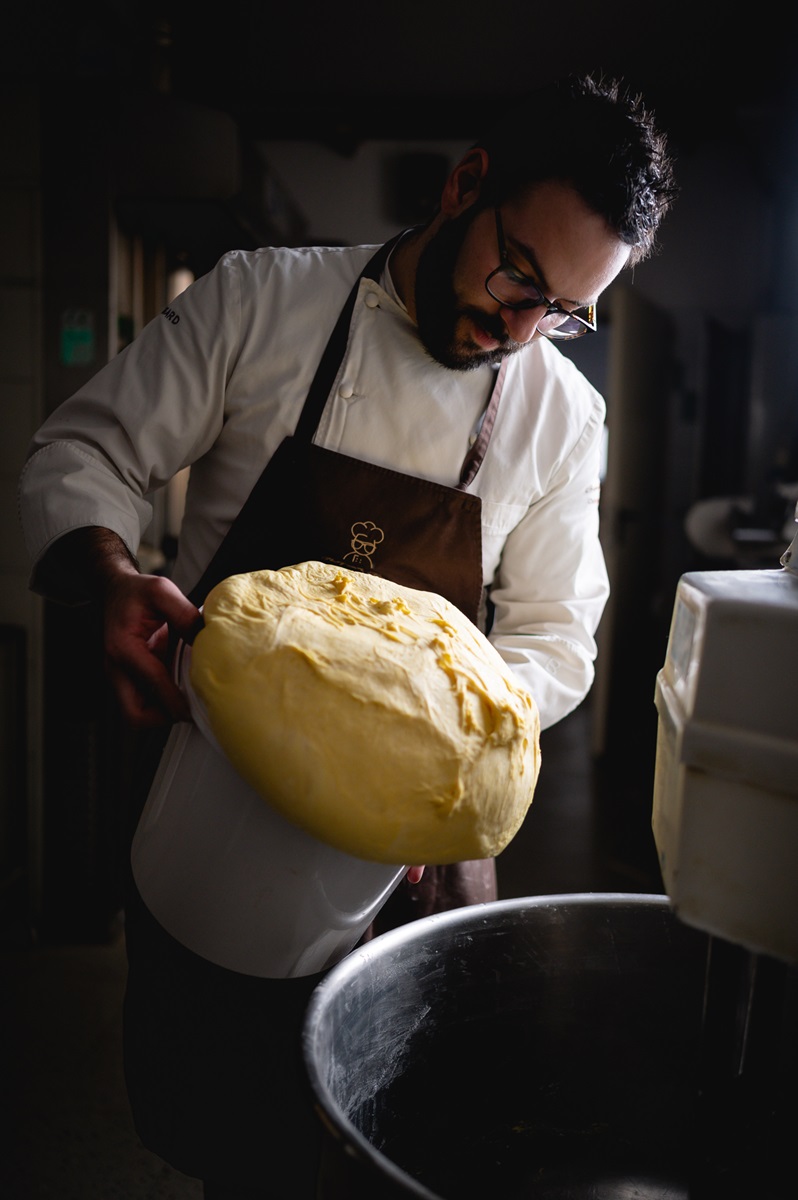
539	278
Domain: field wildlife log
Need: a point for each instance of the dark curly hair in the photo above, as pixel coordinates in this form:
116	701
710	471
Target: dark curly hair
595	136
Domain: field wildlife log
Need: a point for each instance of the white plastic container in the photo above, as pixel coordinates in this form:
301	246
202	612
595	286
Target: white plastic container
233	880
725	814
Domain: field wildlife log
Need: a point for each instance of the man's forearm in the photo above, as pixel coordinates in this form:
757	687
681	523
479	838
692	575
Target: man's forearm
79	566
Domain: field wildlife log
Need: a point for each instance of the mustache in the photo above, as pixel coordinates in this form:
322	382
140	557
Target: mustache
494	326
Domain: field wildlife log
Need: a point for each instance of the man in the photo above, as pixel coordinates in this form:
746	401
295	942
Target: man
423	378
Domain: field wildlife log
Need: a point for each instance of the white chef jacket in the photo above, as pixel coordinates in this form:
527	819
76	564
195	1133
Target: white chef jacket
218	380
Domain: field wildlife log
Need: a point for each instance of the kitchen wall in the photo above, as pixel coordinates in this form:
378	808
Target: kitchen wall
21	382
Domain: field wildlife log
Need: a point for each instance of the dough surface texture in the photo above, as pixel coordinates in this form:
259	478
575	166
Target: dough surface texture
375	716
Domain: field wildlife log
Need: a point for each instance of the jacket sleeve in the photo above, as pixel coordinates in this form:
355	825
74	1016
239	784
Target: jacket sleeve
149	412
551	584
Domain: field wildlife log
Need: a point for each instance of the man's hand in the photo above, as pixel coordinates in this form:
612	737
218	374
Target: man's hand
142	612
143	615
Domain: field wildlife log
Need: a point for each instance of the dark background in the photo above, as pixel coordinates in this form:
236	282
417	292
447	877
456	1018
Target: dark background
355	70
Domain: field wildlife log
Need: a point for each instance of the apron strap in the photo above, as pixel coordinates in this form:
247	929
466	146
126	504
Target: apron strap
473	460
332	357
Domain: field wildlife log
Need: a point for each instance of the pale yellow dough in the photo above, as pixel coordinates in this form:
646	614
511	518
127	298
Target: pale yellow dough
375	716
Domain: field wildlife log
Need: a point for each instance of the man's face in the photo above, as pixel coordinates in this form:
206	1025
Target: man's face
552	238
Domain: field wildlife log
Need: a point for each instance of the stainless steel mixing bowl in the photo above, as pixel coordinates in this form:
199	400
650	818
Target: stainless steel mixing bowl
546	1047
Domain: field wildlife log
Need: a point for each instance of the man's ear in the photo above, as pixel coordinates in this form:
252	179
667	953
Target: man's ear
462	188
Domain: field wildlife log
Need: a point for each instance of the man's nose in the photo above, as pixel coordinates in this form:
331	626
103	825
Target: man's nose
522	323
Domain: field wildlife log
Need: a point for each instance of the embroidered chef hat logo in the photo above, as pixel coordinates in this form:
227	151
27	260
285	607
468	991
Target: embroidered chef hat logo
366	537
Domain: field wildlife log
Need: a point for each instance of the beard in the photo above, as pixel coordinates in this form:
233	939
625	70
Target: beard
439	312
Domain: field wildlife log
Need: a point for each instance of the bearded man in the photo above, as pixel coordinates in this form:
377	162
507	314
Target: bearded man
417	387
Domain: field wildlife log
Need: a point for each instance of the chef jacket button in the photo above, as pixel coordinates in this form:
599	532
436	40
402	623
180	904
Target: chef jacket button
372	300
346	391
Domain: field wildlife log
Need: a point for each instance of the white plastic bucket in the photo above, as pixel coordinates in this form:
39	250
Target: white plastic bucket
233	880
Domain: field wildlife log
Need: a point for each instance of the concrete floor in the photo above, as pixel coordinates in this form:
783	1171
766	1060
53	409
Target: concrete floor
60	1006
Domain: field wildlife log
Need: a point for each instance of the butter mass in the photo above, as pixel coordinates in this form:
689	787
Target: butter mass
375	716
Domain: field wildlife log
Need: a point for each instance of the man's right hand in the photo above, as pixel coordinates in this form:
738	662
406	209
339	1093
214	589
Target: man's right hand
143	613
143	616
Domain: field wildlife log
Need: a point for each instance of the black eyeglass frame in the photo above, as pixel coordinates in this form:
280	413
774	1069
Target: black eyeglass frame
537	300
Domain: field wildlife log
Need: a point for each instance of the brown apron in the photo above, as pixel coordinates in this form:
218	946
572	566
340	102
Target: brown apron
201	1104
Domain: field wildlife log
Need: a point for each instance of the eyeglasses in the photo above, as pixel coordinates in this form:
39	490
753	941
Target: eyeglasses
514	290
